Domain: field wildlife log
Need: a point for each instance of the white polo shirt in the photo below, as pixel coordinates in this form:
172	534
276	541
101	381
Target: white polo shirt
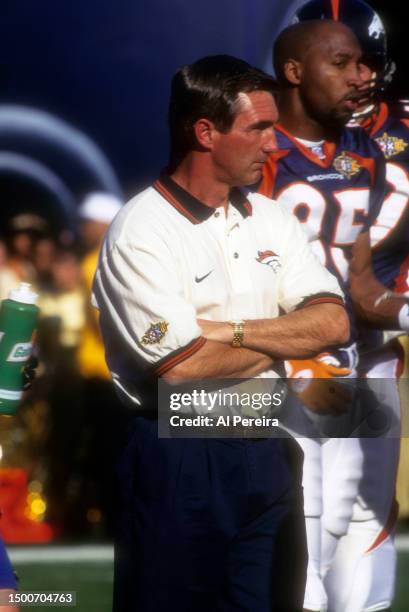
169	259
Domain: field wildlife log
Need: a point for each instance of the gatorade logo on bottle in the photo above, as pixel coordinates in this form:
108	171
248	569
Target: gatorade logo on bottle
18	319
20	352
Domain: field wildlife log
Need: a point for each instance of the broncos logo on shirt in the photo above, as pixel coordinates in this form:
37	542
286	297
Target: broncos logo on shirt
269	258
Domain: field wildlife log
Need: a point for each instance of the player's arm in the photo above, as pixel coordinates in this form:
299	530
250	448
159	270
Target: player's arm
368	294
366	291
296	335
299	334
217	360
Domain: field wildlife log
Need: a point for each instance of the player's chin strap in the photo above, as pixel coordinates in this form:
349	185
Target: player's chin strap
363	113
365	118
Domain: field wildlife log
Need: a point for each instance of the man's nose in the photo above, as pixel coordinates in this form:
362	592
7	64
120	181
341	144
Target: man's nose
355	76
270	143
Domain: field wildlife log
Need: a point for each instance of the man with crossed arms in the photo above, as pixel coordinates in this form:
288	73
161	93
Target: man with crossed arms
190	282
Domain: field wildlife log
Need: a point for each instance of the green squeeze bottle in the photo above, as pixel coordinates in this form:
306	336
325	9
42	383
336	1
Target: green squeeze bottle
18	319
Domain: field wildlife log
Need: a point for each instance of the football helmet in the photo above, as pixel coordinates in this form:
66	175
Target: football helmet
367	26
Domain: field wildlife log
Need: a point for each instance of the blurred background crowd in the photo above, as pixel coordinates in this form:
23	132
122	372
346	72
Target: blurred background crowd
57	453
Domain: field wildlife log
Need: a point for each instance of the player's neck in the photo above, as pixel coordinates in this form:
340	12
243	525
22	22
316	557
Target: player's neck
196	175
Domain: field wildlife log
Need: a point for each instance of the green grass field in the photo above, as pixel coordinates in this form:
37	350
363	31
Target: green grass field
87	570
92	582
91	577
402	586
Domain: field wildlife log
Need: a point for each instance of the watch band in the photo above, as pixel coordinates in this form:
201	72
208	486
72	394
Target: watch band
238	333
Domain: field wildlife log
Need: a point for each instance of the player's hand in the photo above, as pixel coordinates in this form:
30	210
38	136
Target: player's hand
322	366
29	371
314	382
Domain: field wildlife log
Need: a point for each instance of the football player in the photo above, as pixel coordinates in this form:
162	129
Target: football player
333	179
364	566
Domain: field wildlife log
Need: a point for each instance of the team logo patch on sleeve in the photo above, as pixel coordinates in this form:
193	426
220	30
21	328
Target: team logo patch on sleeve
155	333
391	145
269	258
346	165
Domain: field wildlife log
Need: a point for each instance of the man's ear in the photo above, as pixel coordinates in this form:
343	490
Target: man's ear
292	71
204	131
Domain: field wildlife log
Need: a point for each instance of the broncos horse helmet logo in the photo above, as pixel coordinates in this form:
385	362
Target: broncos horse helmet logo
376	29
269	258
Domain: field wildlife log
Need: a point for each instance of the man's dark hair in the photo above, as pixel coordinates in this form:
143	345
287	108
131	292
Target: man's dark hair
209	88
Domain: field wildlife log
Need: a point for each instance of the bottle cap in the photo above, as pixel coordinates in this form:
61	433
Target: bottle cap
23	294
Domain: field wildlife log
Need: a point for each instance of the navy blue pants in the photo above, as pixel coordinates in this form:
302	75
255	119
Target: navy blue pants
209	525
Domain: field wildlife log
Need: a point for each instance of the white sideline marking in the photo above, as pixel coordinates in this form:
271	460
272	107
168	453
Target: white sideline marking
52	554
55	554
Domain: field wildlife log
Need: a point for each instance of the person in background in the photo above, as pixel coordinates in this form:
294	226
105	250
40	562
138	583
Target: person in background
95	214
64	299
20	237
99	399
364	569
332	178
45	251
62	318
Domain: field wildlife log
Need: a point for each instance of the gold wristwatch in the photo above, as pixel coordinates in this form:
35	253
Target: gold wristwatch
238	333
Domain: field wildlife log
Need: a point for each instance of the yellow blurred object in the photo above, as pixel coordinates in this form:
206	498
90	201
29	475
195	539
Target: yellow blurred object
91	354
402	484
23	512
69	308
36	507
